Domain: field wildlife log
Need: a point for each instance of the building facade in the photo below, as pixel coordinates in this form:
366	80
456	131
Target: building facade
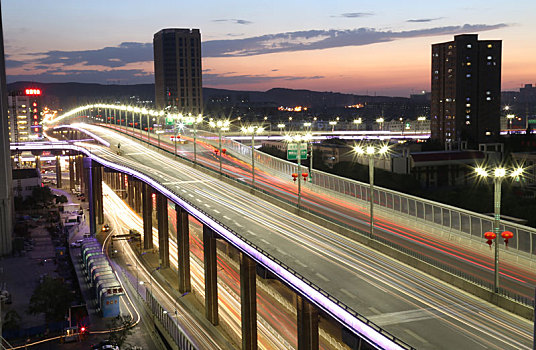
466	90
177	70
24	115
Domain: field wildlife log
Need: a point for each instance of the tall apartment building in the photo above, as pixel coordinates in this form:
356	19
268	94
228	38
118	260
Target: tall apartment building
177	70
24	115
466	90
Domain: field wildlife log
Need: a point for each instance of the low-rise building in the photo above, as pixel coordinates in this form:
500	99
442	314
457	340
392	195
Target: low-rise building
25	180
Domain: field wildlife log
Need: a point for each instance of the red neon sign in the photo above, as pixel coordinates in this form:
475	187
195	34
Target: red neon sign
33	91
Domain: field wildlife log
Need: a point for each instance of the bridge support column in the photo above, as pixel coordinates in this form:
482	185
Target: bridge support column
163	232
58	172
211	275
307	324
122	187
71	173
130	190
38	163
88	164
183	247
99	203
139	203
248	297
147	216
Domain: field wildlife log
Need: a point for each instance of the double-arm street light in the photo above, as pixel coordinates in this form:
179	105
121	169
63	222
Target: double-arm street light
371	152
194	121
299	139
510	117
253	129
221	125
498	174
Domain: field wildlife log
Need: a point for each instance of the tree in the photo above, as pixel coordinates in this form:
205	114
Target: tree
53	298
11	320
61	199
42	195
120	328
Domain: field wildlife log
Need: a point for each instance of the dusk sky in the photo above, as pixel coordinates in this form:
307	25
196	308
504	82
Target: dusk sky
362	47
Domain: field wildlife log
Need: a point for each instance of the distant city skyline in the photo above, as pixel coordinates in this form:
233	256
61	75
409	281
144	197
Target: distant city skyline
382	48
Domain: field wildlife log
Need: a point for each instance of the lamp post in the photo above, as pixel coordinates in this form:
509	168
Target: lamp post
281	126
195	121
131	110
371	152
333	123
510	117
221	125
253	129
310	126
298	139
498	174
358	122
380	121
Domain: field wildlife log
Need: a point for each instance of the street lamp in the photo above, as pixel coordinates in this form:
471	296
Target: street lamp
380	121
195	121
510	117
421	121
253	129
298	139
358	122
498	174
333	123
281	126
221	125
371	152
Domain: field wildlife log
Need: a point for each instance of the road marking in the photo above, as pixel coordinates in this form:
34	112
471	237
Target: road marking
322	277
300	263
252	233
416	336
191	195
226	217
216	211
237	224
281	252
373	309
403	317
134	154
344	291
264	241
207	205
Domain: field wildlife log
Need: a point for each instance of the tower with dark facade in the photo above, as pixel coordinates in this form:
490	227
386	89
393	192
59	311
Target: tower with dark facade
177	70
466	90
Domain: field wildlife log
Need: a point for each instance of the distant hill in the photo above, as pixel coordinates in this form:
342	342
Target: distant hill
68	95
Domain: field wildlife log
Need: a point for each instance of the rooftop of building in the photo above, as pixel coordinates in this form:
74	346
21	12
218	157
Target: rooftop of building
20	174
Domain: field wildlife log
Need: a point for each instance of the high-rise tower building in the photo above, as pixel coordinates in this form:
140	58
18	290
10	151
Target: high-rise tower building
24	113
177	70
466	90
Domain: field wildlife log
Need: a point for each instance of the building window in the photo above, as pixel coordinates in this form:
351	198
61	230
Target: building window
488	98
467	105
469	46
468	75
468	122
468	63
490	46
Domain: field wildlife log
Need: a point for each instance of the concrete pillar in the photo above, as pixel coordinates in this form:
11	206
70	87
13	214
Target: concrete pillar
147	216
183	247
130	191
211	275
78	163
307	324
88	164
38	163
248	298
71	173
138	189
98	194
163	231
58	172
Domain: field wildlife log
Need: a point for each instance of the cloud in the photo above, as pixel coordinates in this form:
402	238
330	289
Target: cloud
112	57
230	79
354	14
325	39
235	21
422	20
132	76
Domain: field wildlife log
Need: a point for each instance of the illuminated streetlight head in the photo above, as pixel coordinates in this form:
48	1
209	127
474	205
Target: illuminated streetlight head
212	124
510	116
370	150
421	119
499	172
308	124
481	171
260	129
281	126
359	150
357	121
379	120
517	172
384	149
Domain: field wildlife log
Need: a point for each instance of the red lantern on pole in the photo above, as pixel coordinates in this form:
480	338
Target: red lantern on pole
304	175
507	235
490	236
295	176
223	151
216	151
